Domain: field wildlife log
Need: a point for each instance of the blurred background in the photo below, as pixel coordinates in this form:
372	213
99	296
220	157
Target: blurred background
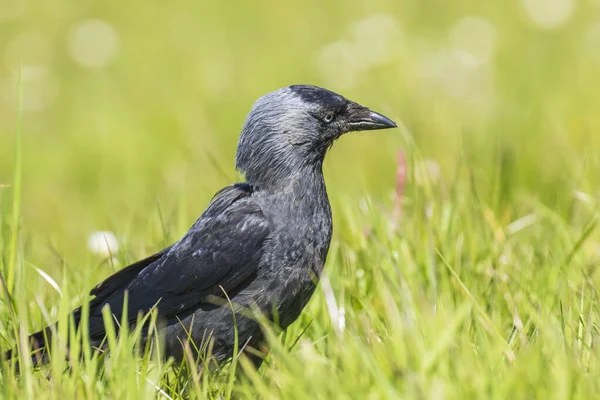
131	110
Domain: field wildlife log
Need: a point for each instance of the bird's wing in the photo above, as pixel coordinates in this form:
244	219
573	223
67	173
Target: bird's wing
118	280
221	250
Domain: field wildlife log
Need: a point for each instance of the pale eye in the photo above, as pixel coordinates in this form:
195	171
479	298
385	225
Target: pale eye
328	118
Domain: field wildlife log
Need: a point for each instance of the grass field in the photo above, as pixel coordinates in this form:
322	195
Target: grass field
475	276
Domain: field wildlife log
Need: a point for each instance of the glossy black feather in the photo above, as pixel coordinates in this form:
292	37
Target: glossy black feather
119	279
219	252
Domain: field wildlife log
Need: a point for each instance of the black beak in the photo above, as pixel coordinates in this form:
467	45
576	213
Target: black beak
363	119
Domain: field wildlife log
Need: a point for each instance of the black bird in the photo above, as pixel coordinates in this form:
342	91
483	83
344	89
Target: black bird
263	242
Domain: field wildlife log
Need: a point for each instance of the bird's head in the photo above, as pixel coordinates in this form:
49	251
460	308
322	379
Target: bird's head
288	132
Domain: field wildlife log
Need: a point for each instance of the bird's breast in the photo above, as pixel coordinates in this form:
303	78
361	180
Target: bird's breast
299	255
295	251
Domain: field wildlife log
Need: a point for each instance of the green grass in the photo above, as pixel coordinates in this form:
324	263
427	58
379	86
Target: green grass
479	281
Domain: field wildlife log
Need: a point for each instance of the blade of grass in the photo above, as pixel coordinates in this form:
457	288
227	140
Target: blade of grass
510	355
229	389
16	203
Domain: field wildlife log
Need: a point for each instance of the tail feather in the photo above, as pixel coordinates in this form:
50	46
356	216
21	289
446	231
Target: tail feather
37	349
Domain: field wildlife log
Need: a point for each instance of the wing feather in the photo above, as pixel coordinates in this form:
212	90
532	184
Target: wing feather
222	249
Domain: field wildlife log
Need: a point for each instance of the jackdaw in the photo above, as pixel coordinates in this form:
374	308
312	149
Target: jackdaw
263	242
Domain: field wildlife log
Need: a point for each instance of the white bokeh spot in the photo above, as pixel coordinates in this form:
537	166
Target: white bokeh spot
373	41
549	14
103	243
93	43
375	38
40	88
31	53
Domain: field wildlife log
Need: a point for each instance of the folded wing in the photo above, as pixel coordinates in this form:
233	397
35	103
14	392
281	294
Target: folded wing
221	250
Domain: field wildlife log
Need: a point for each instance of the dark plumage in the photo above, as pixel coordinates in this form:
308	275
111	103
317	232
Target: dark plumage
263	242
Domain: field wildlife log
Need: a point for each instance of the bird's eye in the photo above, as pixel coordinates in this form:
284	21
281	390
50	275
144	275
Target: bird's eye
328	118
